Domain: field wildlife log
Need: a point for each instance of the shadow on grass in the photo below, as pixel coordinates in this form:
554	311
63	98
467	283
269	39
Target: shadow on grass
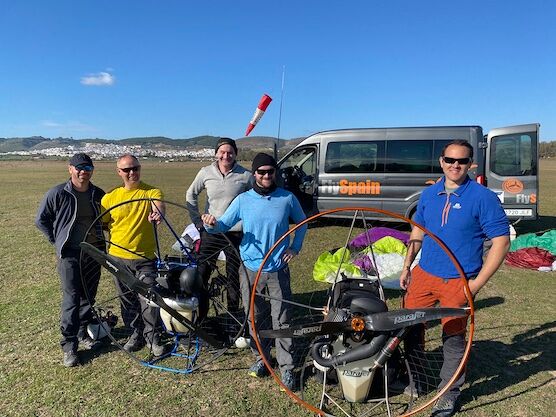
497	366
489	302
87	356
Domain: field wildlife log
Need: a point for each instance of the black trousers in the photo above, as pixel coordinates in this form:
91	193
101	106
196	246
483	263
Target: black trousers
76	311
138	316
211	245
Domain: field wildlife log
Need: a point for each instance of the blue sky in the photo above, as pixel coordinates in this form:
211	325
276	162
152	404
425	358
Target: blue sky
118	69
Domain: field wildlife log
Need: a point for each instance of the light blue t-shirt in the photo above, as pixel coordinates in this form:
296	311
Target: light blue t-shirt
265	220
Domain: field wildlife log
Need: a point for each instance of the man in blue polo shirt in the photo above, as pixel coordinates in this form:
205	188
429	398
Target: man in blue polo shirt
463	214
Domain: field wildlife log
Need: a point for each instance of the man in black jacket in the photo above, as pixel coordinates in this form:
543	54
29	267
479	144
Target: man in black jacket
65	214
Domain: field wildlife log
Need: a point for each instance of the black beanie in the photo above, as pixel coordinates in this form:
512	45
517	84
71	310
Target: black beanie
262	159
225	141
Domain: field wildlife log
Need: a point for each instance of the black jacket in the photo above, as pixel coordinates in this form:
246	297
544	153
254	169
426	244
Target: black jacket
58	211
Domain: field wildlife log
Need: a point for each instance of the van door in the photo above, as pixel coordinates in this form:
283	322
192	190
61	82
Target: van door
352	173
512	169
298	174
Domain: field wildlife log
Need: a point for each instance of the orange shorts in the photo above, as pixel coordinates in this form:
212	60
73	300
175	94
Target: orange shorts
427	290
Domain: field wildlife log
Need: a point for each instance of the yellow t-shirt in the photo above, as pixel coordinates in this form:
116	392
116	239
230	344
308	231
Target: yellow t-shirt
128	224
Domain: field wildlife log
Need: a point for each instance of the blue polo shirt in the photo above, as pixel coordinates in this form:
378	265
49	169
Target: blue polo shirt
462	219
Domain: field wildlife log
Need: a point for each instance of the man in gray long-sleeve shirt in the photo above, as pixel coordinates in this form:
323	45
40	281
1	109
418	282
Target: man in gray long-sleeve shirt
223	180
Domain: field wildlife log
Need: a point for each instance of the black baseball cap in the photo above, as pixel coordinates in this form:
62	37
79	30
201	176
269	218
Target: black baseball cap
81	159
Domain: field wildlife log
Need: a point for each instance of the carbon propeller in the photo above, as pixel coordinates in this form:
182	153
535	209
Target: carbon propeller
378	322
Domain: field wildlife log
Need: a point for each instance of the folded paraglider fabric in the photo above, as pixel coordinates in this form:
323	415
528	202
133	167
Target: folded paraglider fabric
546	241
530	258
372	235
388	244
386	260
331	264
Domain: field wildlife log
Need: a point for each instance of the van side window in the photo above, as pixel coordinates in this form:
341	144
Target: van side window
354	157
513	155
409	156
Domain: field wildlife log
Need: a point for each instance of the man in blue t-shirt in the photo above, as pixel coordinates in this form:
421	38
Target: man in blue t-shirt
463	214
265	211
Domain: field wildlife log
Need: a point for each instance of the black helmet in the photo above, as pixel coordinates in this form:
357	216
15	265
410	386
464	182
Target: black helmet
190	281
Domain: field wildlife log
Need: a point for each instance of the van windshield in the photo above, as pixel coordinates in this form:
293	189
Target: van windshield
303	158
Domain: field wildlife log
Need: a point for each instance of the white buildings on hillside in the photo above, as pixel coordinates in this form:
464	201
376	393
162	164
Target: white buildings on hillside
110	151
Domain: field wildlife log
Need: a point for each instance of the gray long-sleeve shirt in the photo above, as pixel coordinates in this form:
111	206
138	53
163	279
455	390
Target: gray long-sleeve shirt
221	190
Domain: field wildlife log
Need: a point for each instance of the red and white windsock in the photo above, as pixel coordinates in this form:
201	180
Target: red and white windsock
263	104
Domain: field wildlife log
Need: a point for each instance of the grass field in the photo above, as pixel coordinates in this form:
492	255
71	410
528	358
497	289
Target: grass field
511	370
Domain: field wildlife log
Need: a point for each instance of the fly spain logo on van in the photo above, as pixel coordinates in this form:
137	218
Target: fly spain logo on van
359	187
526	199
346	187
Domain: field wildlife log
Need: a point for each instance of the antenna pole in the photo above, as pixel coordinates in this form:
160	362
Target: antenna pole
280	113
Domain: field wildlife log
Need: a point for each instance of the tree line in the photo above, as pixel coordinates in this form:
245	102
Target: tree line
547	149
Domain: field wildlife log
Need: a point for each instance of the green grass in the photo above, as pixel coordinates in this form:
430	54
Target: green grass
511	371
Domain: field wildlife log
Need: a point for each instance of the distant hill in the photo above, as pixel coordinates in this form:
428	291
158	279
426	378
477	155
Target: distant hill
19	144
266	142
55	143
248	143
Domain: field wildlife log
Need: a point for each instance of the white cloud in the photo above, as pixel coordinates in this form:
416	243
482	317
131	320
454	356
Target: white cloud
100	78
50	123
71	125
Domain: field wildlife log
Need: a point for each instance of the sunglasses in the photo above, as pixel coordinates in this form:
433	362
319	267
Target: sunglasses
262	172
128	170
83	167
461	161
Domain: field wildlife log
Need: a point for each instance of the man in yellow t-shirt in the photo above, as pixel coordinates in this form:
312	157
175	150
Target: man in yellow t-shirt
132	241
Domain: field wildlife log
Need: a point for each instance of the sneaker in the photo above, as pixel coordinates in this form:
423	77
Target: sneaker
288	380
412	391
242	342
401	387
134	344
157	349
258	370
71	359
444	407
88	343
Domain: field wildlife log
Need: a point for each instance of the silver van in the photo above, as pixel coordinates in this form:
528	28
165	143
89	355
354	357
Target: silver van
388	168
